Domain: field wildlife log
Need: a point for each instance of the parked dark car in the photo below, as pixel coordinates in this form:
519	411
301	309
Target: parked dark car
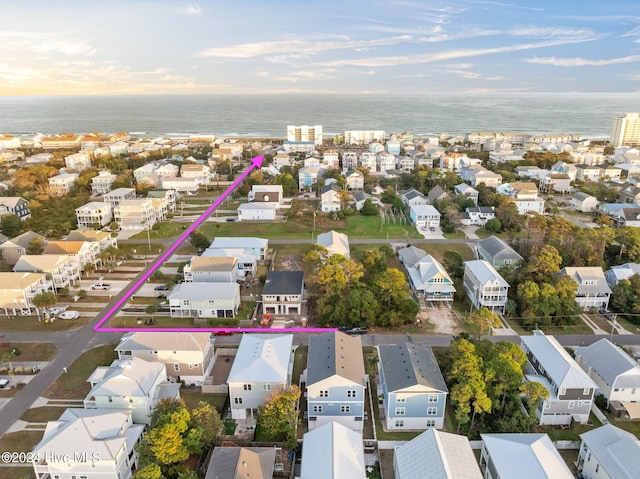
357	331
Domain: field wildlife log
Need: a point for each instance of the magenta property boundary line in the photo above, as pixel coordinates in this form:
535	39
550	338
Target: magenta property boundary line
255	163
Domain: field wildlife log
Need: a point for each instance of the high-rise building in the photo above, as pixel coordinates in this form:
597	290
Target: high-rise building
305	133
626	130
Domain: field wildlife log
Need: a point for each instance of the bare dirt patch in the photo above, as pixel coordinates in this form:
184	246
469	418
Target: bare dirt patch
437	321
289	262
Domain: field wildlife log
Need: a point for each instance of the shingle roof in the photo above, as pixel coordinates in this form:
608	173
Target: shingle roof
164	342
485	273
335	353
241	463
610	361
19	280
201	291
497	248
406	365
129	377
411	254
336	243
583	274
283	282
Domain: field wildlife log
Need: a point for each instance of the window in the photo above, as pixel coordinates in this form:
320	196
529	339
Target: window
401	398
597	467
432	411
571	404
562	392
399	423
110	398
237	400
345	408
247	387
324	394
351	393
266	387
317	408
589	457
431	423
176	366
400	411
586	391
192	366
433	398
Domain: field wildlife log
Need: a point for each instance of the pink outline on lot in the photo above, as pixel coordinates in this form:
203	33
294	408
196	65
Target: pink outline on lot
255	163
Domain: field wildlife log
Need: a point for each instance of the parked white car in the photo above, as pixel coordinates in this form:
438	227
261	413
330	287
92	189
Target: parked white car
69	315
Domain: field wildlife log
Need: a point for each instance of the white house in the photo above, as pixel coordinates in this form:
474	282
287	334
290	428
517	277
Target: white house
332	451
88	443
114	197
80	252
18	289
355	180
257	211
78	161
608	452
60	185
209	269
132	384
199	173
413	197
334	243
477	215
94	213
615	373
468	191
247	263
571	390
262	367
267	194
485	286
283	292
58	267
135	214
330	198
203	300
257	247
593	290
101	184
424	216
187	357
188	186
583	202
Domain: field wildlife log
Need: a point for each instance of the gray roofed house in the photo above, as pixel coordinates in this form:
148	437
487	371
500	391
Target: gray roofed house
206	300
484	285
413	197
621	272
615	373
427	276
436	194
436	454
241	462
497	252
593	290
410	255
411	384
628	217
282	292
531	456
335	380
610	452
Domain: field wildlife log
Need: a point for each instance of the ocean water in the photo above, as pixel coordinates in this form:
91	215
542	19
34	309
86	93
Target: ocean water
589	115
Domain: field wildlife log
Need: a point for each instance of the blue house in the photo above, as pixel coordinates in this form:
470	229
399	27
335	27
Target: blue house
413	390
335	381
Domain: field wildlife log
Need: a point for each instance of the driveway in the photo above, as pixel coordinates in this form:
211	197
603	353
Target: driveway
428	234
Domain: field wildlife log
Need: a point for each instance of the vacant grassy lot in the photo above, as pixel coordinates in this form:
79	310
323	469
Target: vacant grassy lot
23	441
168	229
33	351
73	384
31	323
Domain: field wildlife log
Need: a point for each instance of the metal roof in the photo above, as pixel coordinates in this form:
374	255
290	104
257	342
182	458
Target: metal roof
610	361
617	451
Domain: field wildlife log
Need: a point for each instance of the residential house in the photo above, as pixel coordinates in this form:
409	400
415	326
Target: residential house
332	451
336	382
103	239
331	159
406	164
283	292
414	394
114	197
556	183
477	215
58	267
78	161
355	180
424	216
513	455
591	158
267	194
166	171
428	279
334	243
627	217
368	160
95	213
588	173
61	141
485	286
629	194
13	248
232	462
135	214
436	454
145	170
330	198
187	357
203	300
18	289
437	194
610	172
88	443
80	252
207	269
101	183
468	191
257	211
60	185
593	290
571	390
615	373
413	197
497	252
608	452
200	173
386	161
257	247
350	160
568	169
583	202
15	205
524	195
308	177
169	197
262	368
489	178
621	272
182	186
132	384
360	197
247	263
312	160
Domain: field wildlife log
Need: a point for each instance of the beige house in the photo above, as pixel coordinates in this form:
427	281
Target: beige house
81	252
58	267
207	269
15	247
18	289
135	214
60	185
102	238
187	357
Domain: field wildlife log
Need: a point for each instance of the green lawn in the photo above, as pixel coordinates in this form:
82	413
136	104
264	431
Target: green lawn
299	363
572	433
580	328
437	250
192	397
23	441
168	229
168	322
455	235
33	351
73	384
31	323
42	414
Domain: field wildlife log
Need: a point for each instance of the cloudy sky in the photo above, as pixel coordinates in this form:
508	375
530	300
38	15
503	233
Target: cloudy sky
349	46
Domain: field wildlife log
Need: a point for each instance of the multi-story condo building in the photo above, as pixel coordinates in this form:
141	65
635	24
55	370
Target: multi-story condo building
305	133
135	214
363	137
61	141
58	267
625	130
18	289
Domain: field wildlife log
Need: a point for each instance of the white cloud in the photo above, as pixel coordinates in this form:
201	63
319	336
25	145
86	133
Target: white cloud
192	9
40	43
581	62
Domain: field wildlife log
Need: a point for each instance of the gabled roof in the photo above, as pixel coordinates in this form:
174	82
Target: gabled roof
616	450
11	201
582	274
435	193
411	194
283	282
624	271
164	342
436	454
21	280
25	239
485	273
129	377
610	361
406	365
87	235
580	196
40	262
332	451
202	291
239	242
262	358
497	248
63	247
241	463
427	268
330	188
411	255
213	264
525	455
335	354
556	361
334	242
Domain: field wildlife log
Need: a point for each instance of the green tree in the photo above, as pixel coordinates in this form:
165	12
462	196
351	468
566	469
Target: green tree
626	297
453	263
483	320
207	419
199	240
36	246
279	415
47	299
493	225
368	208
10	225
149	471
392	284
544	263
